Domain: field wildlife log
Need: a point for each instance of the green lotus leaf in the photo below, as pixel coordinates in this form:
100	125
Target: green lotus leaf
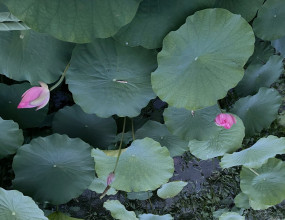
155	217
231	216
279	45
155	19
268	186
11	137
32	56
258	75
194	72
99	186
270	20
224	141
98	132
258	111
118	211
189	125
10	97
107	78
139	195
257	154
160	133
262	52
54	168
145	165
242	201
258	205
61	216
171	189
245	8
15	206
75	21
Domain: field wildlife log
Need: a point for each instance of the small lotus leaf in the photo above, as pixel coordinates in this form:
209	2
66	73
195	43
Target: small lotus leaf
55	168
257	154
118	211
155	217
171	189
99	186
15	206
231	216
242	201
258	111
279	45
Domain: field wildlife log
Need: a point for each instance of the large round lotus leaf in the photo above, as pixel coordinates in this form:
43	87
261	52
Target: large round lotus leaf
258	75
32	56
258	111
139	195
75	21
262	52
231	216
242	201
203	59
268	187
145	165
10	97
61	216
245	8
99	186
224	141
155	217
98	132
15	206
171	189
107	78
54	168
11	137
155	18
279	45
189	125
160	133
269	24
256	155
118	211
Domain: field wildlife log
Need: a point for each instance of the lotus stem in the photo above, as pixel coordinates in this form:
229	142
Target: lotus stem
61	78
120	147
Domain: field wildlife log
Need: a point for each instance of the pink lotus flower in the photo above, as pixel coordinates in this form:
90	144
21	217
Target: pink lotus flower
225	120
35	97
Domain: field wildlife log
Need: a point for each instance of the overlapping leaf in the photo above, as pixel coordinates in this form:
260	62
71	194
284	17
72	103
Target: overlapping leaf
231	216
75	21
159	133
54	168
98	132
269	24
193	71
279	45
262	52
11	137
242	201
224	141
257	154
268	187
258	111
155	217
107	78
118	211
145	165
15	206
171	189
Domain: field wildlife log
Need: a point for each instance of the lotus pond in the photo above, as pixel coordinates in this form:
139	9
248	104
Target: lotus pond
142	109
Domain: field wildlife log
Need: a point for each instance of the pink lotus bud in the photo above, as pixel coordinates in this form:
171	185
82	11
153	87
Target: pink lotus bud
35	97
110	178
225	120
